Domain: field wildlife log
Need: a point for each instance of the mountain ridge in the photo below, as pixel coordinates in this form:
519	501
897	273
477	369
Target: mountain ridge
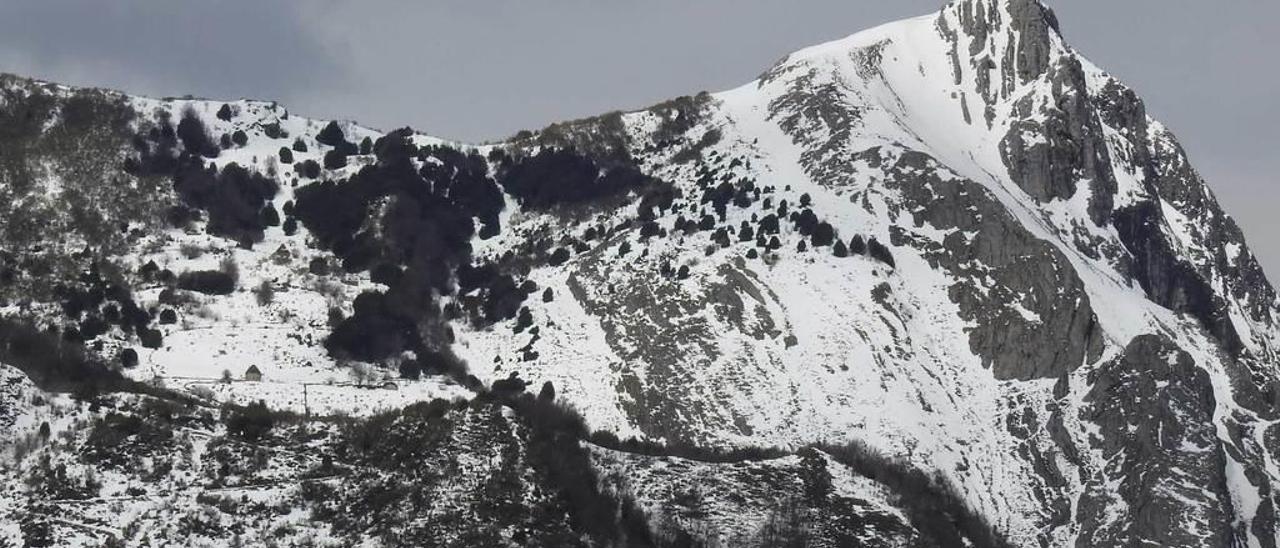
1032	274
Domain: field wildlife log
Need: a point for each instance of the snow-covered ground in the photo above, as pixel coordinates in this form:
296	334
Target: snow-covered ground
787	347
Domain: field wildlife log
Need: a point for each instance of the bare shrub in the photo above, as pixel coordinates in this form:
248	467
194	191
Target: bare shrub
265	294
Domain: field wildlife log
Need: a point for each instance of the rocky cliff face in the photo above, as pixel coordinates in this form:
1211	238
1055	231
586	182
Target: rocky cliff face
950	241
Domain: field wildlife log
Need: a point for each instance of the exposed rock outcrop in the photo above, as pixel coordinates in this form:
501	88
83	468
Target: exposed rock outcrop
1035	321
1164	482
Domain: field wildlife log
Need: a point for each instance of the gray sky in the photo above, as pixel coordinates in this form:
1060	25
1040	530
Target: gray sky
484	69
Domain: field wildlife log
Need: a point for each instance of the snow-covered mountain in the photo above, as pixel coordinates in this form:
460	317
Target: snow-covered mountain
947	259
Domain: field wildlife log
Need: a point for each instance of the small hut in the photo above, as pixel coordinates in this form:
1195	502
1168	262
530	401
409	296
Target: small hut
390	385
253	374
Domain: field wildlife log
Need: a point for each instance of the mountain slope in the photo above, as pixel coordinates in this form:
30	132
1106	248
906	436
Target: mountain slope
950	239
1041	225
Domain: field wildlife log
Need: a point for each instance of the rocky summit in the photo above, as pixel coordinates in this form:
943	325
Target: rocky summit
941	283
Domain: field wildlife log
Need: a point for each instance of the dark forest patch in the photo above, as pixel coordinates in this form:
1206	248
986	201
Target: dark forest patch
234	198
562	177
423	232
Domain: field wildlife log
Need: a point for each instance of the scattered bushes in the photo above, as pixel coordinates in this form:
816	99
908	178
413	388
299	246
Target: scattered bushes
932	504
209	282
412	451
117	438
555	450
788	527
685	450
252	423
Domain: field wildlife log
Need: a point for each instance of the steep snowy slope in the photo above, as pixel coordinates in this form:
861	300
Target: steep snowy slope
1050	242
950	239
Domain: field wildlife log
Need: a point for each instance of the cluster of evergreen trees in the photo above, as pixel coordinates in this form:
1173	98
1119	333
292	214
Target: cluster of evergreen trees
238	201
764	227
333	136
53	362
195	136
235	199
556	176
414	245
419	243
94	303
871	248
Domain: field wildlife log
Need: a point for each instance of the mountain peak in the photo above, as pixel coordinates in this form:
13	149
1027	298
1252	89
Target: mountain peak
1014	38
993	46
983	16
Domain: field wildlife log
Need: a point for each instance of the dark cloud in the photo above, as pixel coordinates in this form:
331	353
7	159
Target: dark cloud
214	49
485	69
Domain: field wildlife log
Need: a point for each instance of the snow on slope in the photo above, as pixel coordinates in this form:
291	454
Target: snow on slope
733	502
1004	348
883	355
282	338
880	355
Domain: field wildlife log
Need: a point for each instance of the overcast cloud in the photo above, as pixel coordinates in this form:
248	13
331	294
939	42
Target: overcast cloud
484	69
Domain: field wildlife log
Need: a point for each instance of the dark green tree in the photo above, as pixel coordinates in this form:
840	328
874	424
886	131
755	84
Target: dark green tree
857	246
335	159
331	135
